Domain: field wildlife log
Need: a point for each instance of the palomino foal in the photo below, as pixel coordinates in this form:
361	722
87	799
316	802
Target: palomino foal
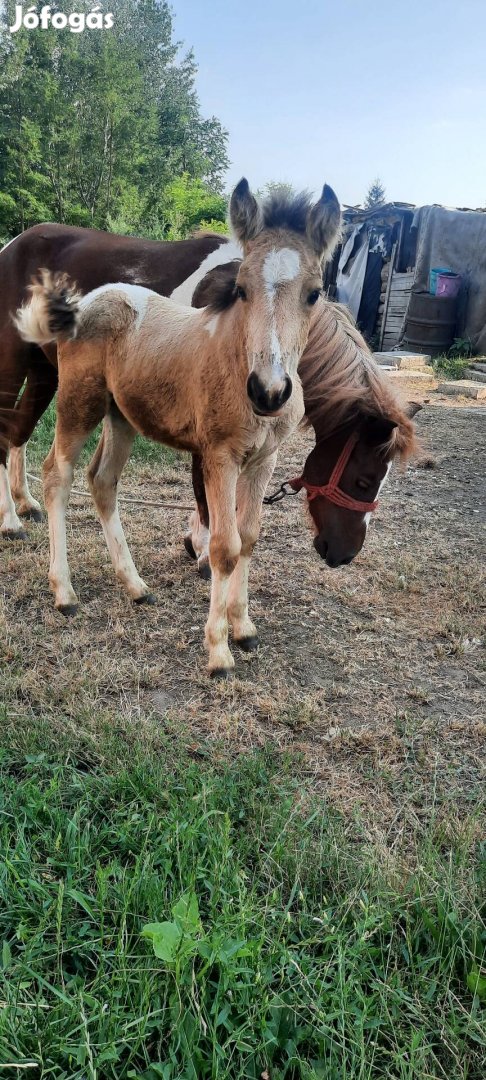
220	383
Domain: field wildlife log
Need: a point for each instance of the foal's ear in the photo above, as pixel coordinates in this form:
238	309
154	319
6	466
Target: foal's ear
377	430
324	224
245	214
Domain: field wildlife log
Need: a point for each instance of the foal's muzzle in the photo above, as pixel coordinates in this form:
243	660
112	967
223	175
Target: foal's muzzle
267	402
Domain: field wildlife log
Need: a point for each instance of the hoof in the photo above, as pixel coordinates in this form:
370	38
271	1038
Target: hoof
31	514
219	673
248	644
68	609
14	534
204	570
147	598
189	546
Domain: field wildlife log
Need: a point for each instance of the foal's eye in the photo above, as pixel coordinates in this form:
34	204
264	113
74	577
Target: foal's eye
313	297
240	292
363	485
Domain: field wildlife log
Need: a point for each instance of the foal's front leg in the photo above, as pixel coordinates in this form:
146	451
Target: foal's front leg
251	489
220	478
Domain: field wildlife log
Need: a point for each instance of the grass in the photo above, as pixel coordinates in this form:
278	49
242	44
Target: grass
450	367
41	441
295	949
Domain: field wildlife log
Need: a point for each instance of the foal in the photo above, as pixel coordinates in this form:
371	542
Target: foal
222	384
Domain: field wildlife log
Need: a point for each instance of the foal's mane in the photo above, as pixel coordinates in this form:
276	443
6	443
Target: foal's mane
286	210
343	383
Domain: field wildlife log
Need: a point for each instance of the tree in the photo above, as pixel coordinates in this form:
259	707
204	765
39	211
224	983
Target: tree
94	127
375	195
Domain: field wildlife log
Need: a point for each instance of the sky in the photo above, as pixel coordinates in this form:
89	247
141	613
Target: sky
342	91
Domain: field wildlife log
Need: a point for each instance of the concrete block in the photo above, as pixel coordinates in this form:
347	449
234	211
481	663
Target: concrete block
463	388
475	374
403	361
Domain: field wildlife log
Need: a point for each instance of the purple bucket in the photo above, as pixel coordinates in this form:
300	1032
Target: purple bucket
448	284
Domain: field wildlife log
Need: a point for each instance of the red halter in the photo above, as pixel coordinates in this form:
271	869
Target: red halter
331	490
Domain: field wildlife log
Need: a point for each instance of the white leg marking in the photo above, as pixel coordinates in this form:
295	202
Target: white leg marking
225	253
56	502
18	481
121	558
10	523
241	623
217	624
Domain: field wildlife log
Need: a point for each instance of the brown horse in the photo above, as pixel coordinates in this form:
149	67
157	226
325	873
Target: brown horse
92	259
359	425
219	383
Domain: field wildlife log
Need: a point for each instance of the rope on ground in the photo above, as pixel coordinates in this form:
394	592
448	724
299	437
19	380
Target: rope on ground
125	498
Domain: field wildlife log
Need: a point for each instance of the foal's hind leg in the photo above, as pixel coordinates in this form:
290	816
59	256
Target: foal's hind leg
57	472
27	506
104	472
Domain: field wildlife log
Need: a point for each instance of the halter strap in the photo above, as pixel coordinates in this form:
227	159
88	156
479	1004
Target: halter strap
331	490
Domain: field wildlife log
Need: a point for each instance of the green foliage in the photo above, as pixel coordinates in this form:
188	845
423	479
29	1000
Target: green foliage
451	367
188	204
375	196
461	348
161	917
94	127
42	438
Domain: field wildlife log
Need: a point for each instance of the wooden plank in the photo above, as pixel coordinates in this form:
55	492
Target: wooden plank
387	296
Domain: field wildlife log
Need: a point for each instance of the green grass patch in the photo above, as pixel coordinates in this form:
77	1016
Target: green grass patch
143	450
163	917
450	367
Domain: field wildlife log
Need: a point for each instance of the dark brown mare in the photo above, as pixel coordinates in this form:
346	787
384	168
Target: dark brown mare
359	426
90	258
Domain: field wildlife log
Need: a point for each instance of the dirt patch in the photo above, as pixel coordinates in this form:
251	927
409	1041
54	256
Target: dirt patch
374	673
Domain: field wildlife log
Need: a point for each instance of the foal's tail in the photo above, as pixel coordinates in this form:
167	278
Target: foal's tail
52	313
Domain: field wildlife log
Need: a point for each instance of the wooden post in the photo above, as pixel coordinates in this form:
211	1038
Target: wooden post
387	295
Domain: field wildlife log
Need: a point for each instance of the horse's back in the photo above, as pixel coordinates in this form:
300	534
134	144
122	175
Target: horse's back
92	258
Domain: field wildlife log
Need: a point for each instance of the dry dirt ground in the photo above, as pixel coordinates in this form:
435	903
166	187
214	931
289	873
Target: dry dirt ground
373	673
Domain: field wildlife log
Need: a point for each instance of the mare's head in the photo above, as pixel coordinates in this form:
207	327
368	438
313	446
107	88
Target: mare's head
345	473
284	241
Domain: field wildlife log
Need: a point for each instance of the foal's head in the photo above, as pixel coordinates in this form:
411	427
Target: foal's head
284	240
344	474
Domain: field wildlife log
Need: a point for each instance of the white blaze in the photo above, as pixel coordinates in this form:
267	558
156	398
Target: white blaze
279	266
367	517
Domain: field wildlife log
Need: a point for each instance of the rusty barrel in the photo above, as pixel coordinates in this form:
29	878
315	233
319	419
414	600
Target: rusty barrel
431	322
